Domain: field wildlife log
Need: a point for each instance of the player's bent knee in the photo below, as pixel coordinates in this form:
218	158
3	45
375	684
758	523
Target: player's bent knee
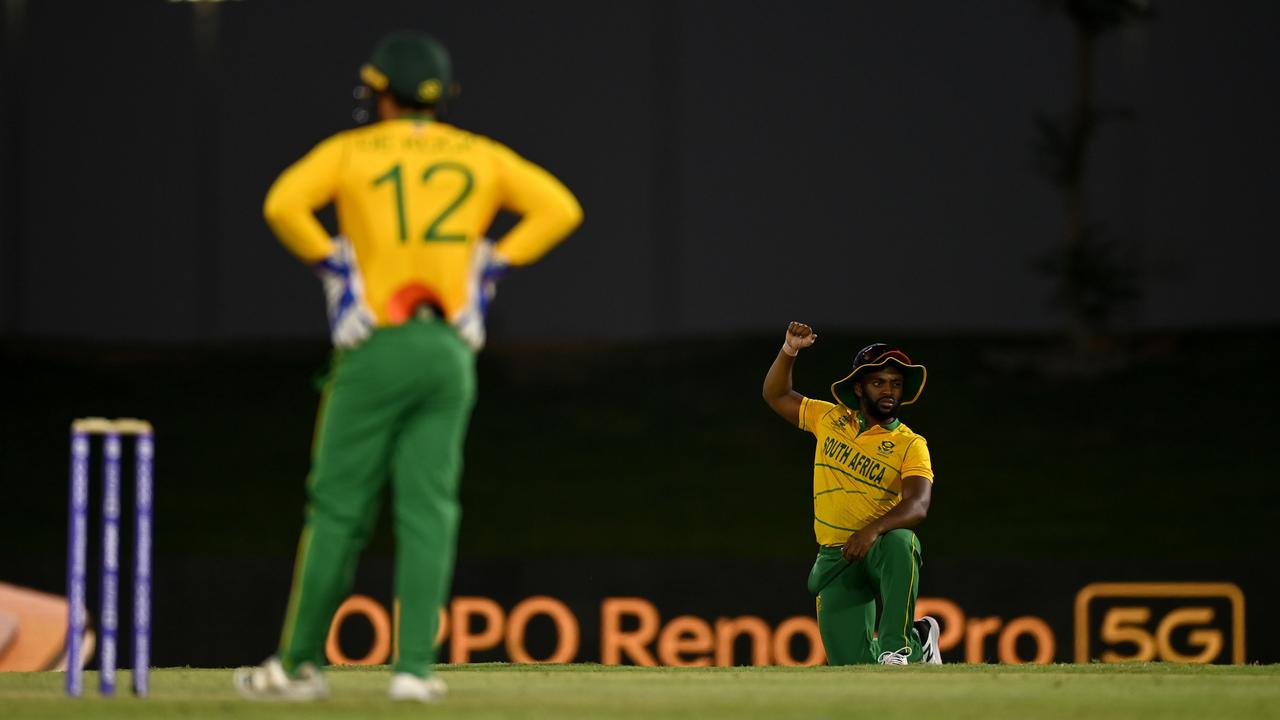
900	540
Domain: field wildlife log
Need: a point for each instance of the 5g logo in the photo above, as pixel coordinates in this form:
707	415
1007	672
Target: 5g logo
1174	622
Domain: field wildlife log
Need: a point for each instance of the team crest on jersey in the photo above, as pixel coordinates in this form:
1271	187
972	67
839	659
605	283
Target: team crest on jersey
886	448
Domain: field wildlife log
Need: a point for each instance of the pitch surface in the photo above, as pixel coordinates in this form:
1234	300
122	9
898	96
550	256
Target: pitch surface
989	692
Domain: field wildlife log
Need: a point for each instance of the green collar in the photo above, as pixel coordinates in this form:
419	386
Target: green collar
862	423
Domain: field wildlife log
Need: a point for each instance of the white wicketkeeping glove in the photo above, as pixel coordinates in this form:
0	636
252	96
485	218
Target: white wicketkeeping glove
486	269
351	320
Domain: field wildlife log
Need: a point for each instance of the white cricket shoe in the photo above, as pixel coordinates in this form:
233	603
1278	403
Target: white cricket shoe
897	657
269	681
408	687
927	628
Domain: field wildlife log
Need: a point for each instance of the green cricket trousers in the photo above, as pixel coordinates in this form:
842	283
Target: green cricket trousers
847	593
395	410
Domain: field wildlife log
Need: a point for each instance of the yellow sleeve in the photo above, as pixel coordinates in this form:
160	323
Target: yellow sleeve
549	212
303	188
916	461
811	411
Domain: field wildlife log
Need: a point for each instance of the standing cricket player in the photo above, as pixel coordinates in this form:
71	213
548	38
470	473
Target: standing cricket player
407	283
872	480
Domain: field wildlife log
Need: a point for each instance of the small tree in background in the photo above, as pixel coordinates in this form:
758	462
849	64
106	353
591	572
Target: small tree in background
1095	275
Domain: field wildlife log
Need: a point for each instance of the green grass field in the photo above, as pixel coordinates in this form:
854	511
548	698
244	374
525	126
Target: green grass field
990	692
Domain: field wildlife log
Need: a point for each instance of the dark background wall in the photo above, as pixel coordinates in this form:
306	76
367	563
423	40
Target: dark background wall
867	167
740	163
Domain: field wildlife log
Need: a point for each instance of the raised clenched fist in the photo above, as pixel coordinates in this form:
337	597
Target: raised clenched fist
799	336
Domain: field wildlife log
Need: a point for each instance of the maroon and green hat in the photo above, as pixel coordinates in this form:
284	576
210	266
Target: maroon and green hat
877	355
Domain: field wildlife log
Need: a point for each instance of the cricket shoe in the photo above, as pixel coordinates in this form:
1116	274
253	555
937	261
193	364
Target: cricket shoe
406	687
269	681
897	657
927	628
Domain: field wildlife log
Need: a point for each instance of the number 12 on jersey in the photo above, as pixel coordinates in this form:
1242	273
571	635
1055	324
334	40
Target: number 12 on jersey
433	233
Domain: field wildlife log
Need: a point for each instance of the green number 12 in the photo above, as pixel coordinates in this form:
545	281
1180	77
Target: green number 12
433	233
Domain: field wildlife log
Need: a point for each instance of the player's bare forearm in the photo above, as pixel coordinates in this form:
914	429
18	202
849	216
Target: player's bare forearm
909	512
777	382
906	514
777	389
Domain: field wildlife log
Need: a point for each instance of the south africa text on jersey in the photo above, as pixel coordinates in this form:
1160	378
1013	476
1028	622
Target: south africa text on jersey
857	462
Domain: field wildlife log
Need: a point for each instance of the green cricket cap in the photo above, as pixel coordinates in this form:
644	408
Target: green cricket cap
412	66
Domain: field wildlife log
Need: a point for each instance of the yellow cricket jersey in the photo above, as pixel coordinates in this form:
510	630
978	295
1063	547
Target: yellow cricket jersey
415	196
857	474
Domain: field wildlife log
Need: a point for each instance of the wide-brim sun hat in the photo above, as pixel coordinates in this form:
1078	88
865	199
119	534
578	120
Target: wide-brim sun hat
877	355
